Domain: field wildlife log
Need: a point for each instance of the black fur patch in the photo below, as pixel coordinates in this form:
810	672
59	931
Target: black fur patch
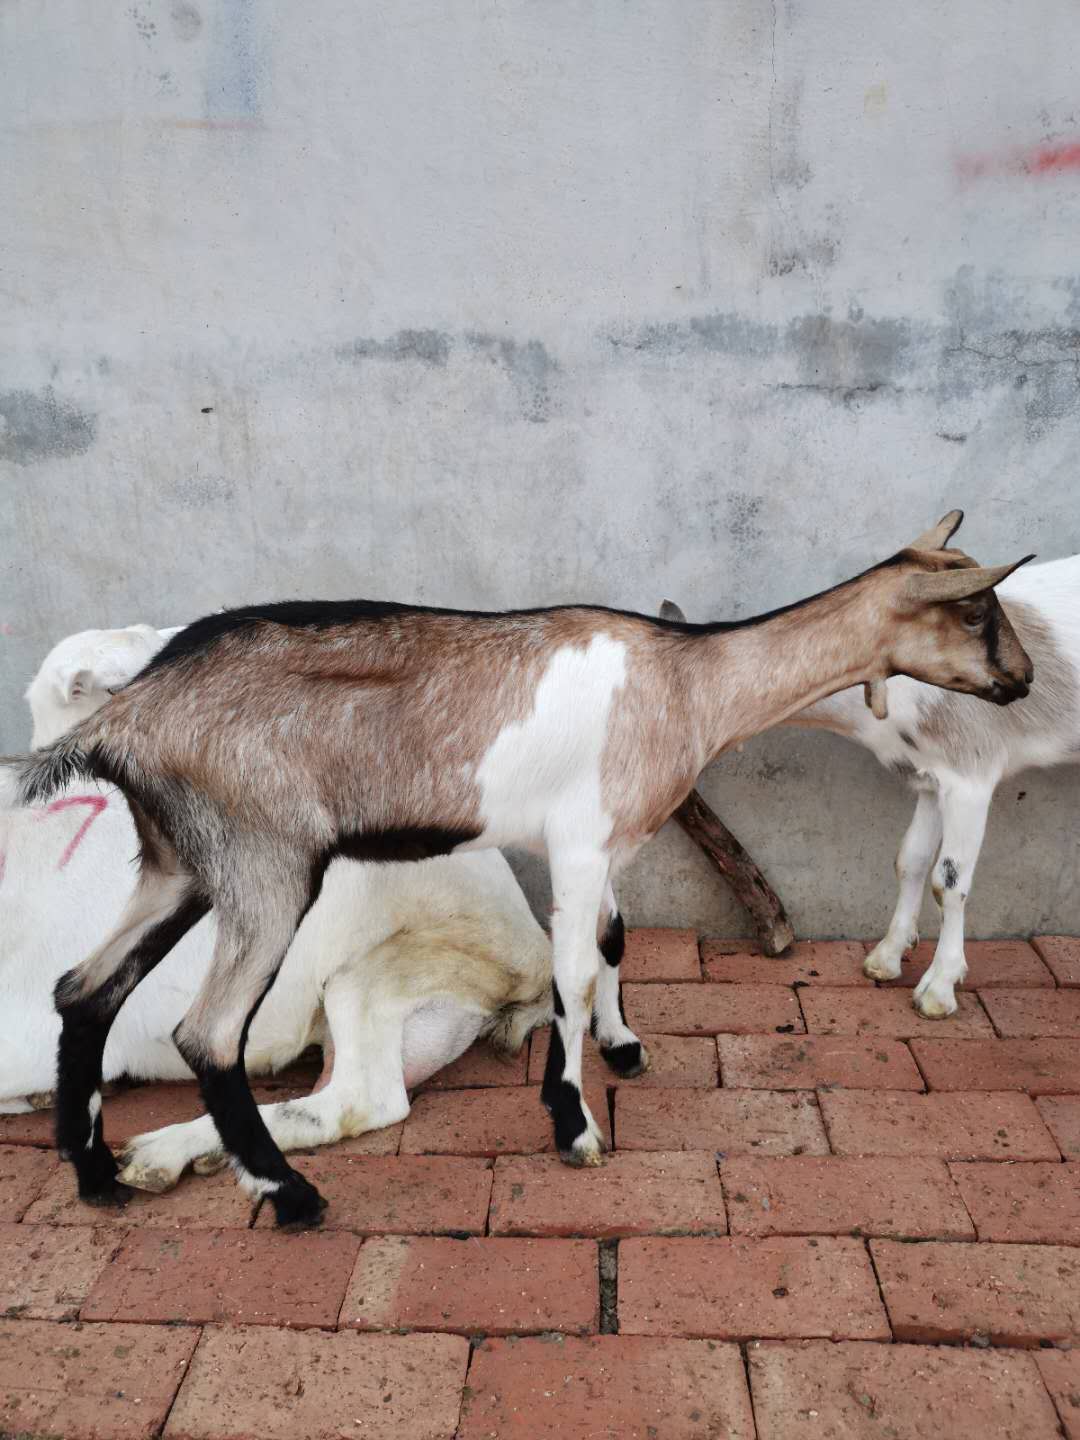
231	1106
623	1059
613	944
556	1000
561	1098
418	842
950	873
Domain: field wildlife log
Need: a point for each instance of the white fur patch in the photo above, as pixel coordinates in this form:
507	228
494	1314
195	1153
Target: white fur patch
550	761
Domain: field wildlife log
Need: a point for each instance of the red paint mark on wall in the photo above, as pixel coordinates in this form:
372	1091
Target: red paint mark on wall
96	803
1061	158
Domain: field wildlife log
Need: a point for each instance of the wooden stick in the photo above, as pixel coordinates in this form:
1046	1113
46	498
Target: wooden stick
749	885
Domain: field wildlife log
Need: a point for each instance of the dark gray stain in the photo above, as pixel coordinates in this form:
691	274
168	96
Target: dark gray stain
429	347
186	20
530	367
950	873
197	491
743	519
35	425
864	358
952	437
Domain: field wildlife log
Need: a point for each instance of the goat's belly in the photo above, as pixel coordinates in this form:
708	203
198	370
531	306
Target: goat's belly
435	1035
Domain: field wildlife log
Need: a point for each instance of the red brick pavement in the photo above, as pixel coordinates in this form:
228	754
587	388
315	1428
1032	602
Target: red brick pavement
823	1214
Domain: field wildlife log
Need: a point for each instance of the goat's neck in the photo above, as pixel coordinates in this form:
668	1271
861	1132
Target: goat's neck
750	678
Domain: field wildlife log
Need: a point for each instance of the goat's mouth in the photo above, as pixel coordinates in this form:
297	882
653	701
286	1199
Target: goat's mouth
1000	692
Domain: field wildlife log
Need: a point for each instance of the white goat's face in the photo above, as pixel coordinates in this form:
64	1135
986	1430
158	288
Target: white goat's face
78	675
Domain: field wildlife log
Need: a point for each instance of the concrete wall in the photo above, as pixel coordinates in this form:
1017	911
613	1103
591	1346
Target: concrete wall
510	303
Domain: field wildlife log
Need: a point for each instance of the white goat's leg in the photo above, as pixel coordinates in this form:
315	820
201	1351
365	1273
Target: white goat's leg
620	1047
577	885
913	862
964	810
366	1091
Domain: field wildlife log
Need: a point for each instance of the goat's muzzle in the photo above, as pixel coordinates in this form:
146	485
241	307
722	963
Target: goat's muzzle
1005	692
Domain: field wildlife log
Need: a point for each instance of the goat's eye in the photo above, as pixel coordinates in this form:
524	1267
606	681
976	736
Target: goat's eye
975	619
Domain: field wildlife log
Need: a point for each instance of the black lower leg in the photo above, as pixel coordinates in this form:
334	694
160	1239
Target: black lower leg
625	1058
79	1134
561	1097
85	1021
256	1157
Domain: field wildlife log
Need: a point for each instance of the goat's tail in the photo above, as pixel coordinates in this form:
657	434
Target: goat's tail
41	774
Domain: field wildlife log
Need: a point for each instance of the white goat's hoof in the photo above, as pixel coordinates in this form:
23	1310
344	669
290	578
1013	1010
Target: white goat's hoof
934	1004
154	1178
588	1149
145	1164
880	965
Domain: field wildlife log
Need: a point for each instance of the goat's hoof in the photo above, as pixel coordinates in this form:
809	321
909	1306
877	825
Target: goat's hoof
933	1007
112	1196
583	1156
627	1060
297	1204
880	967
153	1178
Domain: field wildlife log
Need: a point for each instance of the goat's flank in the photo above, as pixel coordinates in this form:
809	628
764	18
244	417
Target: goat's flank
261	744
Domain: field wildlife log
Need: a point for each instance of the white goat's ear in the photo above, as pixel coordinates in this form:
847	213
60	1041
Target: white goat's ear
670	611
73	684
939	535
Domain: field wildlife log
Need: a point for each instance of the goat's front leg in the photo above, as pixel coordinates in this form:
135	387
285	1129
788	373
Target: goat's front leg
964	810
620	1047
916	856
577	885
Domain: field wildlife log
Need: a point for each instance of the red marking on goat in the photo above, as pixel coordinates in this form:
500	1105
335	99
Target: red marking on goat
97	804
1057	159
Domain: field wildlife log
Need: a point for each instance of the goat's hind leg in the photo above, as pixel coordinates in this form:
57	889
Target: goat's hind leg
165	905
212	1036
620	1047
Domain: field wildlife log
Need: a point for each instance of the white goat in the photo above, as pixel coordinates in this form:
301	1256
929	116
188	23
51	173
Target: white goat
955	752
402	967
262	744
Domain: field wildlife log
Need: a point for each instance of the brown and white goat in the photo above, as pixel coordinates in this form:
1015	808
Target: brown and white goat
260	744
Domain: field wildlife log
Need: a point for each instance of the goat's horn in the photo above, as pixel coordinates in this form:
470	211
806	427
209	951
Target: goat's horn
670	611
923	588
939	535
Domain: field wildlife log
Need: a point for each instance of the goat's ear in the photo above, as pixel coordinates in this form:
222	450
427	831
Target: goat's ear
941	586
670	611
73	684
939	535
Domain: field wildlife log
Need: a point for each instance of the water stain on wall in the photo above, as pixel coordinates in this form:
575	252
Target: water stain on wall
429	347
36	425
530	368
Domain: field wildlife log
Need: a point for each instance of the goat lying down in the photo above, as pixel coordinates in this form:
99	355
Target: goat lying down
955	752
397	969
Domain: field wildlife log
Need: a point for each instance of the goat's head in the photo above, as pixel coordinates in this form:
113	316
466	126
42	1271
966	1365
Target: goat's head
947	626
78	675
